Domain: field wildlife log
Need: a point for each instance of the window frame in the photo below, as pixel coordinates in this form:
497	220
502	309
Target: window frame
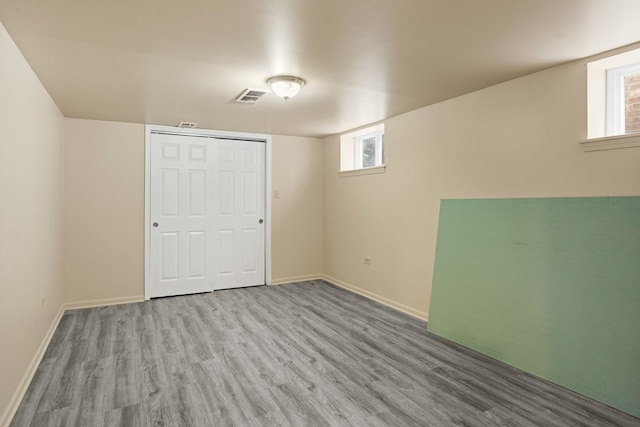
598	138
615	98
350	164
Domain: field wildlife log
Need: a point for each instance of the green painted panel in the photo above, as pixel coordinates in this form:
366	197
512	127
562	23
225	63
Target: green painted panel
551	286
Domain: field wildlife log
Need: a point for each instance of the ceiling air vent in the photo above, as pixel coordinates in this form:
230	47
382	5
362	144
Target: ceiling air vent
188	125
250	96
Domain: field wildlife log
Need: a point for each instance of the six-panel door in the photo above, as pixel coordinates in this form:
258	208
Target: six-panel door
238	214
207	199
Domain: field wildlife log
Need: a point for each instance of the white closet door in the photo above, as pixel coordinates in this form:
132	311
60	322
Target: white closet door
207	207
181	205
239	207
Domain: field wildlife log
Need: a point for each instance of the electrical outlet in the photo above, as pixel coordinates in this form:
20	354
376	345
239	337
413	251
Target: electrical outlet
276	194
367	261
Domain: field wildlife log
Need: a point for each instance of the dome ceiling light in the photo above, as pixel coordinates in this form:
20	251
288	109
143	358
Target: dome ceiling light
285	86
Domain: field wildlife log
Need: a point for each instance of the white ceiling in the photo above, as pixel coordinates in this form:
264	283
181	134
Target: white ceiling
166	61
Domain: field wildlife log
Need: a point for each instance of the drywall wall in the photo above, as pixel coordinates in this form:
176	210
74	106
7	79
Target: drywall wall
296	239
104	210
517	139
31	187
551	286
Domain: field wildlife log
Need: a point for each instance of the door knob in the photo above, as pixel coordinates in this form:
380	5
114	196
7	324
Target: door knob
261	221
155	224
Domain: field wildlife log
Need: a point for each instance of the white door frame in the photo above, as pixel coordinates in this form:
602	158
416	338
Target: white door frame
149	129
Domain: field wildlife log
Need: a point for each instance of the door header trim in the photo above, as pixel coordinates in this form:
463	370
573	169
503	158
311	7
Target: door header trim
208	133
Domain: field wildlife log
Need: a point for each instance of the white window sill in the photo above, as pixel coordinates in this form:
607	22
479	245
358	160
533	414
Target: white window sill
611	142
363	171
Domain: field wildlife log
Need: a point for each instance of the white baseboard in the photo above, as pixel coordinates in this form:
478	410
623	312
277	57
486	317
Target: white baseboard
102	302
422	315
294	279
16	399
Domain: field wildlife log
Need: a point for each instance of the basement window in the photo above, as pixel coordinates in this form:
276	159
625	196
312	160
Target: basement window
623	100
613	102
363	150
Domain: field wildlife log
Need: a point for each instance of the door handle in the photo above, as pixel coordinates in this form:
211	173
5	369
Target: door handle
155	225
261	221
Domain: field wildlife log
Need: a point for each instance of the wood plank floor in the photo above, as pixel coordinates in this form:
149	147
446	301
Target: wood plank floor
305	354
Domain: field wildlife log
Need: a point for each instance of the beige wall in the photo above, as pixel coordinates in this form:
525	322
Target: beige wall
104	210
516	139
31	186
297	214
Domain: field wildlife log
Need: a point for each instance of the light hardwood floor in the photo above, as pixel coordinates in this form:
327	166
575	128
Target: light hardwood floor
302	354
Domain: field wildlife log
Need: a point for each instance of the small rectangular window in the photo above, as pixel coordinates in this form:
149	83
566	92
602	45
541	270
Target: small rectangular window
362	149
623	100
613	96
369	150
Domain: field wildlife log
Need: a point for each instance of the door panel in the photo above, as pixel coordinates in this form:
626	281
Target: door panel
170	192
226	252
197	192
170	252
198	152
249	240
226	193
197	254
249	193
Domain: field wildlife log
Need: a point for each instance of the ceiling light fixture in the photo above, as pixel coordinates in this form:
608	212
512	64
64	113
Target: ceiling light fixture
285	86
